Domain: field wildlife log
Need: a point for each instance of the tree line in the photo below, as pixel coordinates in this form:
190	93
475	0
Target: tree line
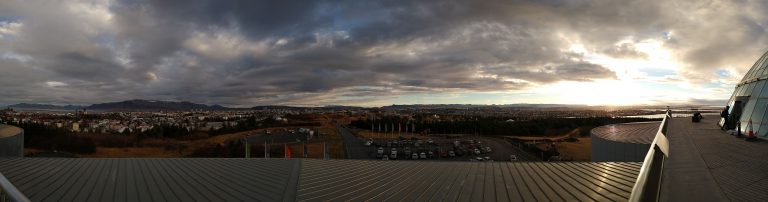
39	136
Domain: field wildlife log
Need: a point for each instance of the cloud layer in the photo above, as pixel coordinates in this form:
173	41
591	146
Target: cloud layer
244	53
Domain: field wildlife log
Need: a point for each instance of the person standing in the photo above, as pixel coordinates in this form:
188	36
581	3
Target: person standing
724	115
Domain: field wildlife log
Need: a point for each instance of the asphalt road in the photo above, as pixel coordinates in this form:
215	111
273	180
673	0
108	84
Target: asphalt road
502	150
353	146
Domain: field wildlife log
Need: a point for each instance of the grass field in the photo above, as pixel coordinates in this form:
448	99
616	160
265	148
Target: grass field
577	151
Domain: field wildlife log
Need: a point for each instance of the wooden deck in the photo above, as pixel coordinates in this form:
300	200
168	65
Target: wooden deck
706	164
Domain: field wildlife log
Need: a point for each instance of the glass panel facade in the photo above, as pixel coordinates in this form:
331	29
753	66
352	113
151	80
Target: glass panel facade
764	93
756	106
748	91
759	66
746	114
763	71
758	114
741	90
758	88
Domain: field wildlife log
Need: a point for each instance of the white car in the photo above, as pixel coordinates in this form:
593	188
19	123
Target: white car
393	155
414	156
423	155
368	143
451	154
477	151
380	151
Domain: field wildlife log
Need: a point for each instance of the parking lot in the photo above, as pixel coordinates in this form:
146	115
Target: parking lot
476	148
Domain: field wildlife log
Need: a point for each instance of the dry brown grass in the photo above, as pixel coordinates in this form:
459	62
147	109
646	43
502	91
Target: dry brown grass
132	152
578	151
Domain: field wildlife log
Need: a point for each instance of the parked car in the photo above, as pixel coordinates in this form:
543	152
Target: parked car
478	158
414	156
380	150
430	141
431	154
487	158
369	142
393	155
488	149
423	155
451	153
477	151
384	158
512	157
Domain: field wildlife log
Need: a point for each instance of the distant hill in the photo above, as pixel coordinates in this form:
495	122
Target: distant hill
28	106
149	105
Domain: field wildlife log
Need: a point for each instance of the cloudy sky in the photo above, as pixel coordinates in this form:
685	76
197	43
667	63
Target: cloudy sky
373	53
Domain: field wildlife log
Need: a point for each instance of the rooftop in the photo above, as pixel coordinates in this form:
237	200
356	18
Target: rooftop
54	179
706	164
638	133
7	131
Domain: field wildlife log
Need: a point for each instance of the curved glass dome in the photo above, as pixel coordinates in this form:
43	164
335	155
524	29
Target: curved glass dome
750	99
757	71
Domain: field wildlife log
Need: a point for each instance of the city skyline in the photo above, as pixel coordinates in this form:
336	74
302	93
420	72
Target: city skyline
243	54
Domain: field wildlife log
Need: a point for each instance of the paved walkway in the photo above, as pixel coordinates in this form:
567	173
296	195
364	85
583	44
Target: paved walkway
706	164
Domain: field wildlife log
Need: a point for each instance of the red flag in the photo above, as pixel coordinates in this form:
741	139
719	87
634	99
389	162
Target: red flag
287	151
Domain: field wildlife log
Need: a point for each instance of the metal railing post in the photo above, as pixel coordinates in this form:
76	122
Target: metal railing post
648	184
8	192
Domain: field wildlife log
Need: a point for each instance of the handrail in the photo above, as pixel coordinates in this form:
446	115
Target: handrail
8	192
648	181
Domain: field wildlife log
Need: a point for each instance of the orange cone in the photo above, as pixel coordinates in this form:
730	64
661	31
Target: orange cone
750	134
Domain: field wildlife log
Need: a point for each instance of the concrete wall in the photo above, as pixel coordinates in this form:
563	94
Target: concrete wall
611	151
12	146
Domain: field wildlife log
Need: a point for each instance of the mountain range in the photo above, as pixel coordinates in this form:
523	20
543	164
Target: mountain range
128	105
45	107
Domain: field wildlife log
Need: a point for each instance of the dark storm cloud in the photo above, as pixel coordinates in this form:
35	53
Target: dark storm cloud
322	52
